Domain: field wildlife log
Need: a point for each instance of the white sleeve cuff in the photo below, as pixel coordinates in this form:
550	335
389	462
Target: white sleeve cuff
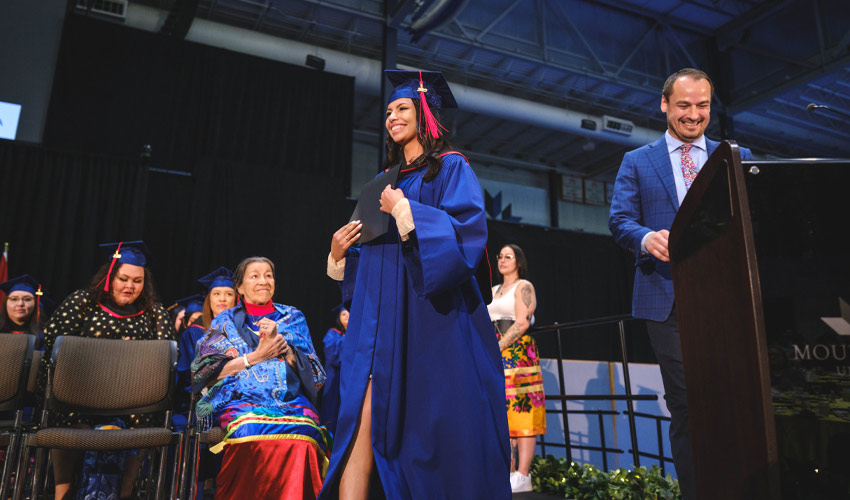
336	270
643	243
403	218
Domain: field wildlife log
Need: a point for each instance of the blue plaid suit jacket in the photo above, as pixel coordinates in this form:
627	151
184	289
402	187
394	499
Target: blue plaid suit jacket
645	200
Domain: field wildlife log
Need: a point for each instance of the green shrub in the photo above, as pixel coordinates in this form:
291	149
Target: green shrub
558	477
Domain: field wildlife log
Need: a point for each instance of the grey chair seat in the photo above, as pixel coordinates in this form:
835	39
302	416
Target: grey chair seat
214	435
101	440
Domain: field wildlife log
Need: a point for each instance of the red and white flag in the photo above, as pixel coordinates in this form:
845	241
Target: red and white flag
4	268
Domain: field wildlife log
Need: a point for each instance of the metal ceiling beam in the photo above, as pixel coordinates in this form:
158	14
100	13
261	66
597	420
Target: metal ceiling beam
396	11
570	69
730	33
634	51
541	30
652	16
767	54
840	95
796	120
842	45
497	20
756	96
566	18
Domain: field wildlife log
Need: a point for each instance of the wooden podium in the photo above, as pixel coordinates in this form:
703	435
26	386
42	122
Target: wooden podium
732	216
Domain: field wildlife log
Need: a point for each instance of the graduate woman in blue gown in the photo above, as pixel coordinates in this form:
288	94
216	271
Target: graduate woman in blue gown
422	411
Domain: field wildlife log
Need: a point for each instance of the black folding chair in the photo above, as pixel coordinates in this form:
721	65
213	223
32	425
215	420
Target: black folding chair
107	378
17	352
198	433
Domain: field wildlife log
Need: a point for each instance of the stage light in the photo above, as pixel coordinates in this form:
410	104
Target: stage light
315	62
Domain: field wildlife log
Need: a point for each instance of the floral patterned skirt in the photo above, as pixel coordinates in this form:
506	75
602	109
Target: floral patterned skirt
524	388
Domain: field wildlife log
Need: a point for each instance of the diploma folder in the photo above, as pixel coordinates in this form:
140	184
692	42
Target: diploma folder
368	209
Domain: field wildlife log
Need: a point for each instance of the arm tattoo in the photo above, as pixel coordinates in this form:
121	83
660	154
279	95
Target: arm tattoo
527	295
515	332
511	336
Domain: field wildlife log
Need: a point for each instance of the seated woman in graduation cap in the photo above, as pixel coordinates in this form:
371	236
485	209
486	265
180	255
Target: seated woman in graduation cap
220	295
259	376
194	331
423	397
120	303
23	309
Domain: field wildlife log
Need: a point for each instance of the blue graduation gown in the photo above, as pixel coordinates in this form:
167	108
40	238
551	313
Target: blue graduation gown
188	341
333	342
419	326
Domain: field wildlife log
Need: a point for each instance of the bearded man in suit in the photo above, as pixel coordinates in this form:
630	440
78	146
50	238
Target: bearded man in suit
650	186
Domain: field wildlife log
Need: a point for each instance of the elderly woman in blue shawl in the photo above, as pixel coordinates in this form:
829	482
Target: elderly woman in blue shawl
259	376
421	375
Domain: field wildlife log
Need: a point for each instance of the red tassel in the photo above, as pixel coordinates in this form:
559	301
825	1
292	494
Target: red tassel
115	257
432	126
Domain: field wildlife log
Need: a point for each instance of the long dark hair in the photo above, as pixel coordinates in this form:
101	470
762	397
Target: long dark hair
146	298
30	326
521	262
431	148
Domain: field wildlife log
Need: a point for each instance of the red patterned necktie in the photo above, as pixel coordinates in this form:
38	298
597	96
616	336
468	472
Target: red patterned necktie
689	168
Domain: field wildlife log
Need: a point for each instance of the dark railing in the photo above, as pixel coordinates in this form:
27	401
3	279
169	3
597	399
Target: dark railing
629	398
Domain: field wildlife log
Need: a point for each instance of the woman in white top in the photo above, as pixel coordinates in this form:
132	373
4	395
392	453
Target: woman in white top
512	312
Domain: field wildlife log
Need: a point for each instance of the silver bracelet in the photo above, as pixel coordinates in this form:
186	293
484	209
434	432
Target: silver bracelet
245	359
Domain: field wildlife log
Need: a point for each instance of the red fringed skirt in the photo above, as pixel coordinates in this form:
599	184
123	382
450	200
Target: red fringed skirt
285	469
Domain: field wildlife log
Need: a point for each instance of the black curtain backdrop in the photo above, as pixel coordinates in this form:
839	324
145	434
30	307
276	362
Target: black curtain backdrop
268	147
286	216
58	206
117	89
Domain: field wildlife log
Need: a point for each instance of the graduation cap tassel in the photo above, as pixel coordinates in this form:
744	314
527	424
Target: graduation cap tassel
432	126
115	257
38	295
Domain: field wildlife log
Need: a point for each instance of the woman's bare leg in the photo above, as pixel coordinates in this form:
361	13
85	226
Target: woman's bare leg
354	483
526	446
131	470
65	465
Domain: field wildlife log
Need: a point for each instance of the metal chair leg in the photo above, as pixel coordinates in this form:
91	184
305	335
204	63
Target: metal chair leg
20	472
174	491
196	463
185	452
160	474
11	453
36	474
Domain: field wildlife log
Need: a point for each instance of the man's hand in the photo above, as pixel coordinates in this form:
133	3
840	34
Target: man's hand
656	244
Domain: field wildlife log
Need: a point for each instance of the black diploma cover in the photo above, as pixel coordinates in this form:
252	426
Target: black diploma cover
368	209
